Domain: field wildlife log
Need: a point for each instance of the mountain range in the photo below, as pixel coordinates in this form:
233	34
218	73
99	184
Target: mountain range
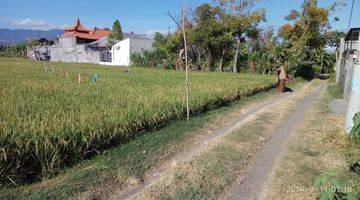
14	36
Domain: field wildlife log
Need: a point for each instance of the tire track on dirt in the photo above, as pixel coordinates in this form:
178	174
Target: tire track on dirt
154	175
250	185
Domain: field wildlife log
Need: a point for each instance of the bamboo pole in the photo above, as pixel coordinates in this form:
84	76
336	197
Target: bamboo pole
186	64
18	62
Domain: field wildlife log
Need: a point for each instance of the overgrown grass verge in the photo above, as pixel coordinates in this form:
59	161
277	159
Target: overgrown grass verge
125	166
209	174
318	146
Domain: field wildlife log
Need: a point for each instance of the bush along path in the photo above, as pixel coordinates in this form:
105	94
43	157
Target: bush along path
188	172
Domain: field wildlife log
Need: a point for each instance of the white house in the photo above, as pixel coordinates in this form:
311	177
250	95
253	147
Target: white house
82	45
121	51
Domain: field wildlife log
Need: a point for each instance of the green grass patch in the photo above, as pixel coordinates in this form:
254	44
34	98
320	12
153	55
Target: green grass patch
334	91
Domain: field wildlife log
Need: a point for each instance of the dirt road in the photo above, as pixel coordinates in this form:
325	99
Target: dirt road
249	185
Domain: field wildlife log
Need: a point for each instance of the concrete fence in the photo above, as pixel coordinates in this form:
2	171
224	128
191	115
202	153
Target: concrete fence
348	74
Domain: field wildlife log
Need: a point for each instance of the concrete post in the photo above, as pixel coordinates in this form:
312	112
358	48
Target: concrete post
348	76
354	101
339	59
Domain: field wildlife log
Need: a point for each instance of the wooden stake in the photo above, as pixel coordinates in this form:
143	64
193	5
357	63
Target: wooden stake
79	78
186	64
44	66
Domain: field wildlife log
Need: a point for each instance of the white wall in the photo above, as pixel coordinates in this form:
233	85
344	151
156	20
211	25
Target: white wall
121	51
67	41
68	51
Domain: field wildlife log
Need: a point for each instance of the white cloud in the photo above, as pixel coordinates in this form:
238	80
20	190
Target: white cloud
32	24
152	32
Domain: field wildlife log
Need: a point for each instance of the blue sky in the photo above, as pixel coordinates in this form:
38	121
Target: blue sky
139	16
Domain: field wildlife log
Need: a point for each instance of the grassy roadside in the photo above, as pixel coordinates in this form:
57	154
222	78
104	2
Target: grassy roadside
319	146
125	166
209	174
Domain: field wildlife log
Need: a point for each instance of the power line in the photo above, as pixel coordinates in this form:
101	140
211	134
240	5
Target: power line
351	13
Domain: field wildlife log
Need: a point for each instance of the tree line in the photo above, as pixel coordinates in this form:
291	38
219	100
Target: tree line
13	51
19	50
227	35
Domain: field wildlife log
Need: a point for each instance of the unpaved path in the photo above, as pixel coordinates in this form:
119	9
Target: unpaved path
250	185
243	117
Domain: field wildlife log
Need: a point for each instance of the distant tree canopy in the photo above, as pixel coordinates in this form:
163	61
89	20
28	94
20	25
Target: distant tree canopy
18	50
116	32
14	51
305	38
217	35
225	36
332	38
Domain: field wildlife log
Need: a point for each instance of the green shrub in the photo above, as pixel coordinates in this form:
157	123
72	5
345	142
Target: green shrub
355	132
331	189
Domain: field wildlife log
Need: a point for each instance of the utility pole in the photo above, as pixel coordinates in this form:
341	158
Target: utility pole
186	63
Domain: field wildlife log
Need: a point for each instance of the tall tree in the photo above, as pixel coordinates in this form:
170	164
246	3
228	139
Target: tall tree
241	18
263	51
116	32
208	34
333	40
304	36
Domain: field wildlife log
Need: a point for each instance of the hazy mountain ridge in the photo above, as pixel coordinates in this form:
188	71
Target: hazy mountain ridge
14	36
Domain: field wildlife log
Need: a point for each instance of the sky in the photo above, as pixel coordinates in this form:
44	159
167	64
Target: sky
139	16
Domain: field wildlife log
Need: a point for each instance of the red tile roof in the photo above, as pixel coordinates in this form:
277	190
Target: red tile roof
81	32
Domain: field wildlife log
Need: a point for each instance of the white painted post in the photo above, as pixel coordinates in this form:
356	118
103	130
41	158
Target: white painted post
348	76
79	78
354	101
